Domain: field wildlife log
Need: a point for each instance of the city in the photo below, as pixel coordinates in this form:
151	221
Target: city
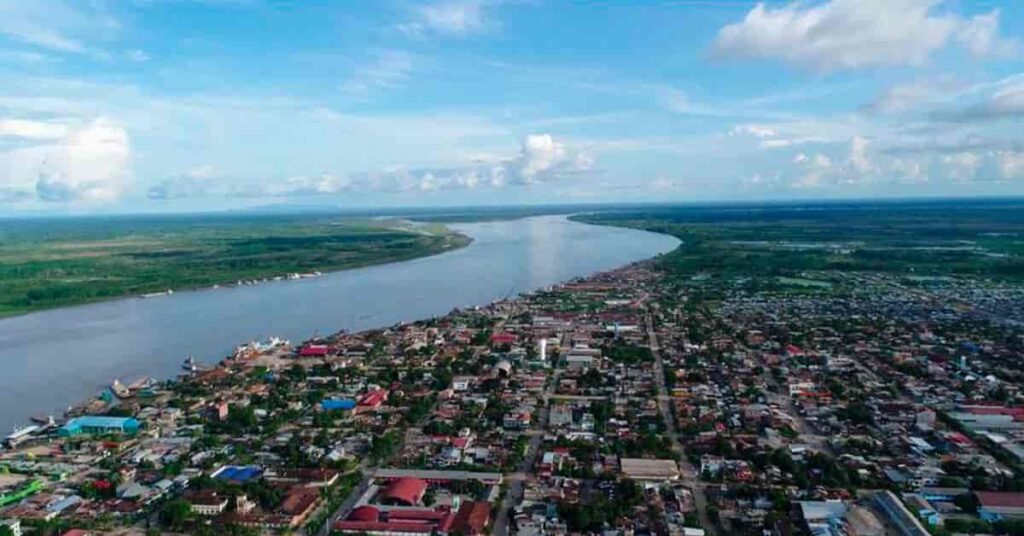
632	401
512	268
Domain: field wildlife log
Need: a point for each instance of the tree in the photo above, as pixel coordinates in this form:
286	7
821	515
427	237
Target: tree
176	513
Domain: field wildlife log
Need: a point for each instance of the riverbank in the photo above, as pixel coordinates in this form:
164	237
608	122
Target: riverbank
46	370
49	264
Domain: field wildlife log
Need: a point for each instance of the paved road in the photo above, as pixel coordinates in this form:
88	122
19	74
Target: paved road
350	501
515	479
691	478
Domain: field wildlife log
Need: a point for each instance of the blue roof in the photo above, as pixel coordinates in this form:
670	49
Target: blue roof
237	473
338	403
99	421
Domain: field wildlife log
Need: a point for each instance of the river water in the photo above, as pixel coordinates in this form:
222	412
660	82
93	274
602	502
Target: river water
52	359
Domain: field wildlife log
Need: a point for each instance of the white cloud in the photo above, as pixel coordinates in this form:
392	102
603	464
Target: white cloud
57	25
540	153
33	130
91	163
852	34
448	17
783	134
962	166
859	155
990	101
980	36
541	159
196	182
388	69
304	185
1011	164
912	95
758	131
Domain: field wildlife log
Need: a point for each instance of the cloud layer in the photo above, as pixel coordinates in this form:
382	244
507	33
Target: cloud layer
853	34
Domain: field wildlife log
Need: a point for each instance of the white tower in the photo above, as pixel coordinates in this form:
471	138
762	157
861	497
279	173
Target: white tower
543	350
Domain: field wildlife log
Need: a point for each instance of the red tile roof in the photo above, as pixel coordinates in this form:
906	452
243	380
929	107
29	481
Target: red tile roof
406	490
472	518
1000	499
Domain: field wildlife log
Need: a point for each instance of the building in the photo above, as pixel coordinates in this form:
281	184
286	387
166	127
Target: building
338	404
406	491
997	505
438	477
207	503
823	518
98	425
13	525
471	519
898	515
300	504
649	469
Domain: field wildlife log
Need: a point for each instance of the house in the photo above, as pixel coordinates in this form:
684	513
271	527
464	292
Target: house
207	502
12	525
97	425
997	505
372	400
649	469
560	415
314	350
517	420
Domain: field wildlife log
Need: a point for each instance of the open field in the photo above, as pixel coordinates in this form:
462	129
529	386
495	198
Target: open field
52	263
779	244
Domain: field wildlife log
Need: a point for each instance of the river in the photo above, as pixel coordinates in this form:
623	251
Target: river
55	358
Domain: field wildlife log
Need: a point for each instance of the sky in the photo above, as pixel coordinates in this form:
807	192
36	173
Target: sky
111	106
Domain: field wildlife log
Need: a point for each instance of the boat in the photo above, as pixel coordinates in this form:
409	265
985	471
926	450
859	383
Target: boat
189	364
167	292
119	390
42	419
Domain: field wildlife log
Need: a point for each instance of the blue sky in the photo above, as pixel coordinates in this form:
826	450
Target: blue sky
178	105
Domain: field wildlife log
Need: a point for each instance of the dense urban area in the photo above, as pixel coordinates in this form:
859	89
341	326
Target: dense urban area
763	380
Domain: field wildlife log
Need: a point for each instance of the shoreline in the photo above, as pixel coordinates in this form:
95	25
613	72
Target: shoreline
285	351
462	242
98	385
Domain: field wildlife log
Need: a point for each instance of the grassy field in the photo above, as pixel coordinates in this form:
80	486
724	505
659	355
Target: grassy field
778	244
58	262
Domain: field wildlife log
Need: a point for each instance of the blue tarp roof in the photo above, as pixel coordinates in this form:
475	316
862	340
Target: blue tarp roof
238	473
338	403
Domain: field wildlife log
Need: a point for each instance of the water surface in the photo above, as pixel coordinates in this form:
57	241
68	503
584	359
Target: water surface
54	358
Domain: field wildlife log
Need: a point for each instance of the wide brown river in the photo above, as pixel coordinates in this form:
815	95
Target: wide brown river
54	358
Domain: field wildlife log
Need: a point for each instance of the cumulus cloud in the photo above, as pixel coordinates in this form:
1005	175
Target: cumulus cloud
541	158
89	162
818	170
852	34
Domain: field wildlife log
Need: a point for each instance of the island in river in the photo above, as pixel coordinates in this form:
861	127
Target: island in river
47	263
